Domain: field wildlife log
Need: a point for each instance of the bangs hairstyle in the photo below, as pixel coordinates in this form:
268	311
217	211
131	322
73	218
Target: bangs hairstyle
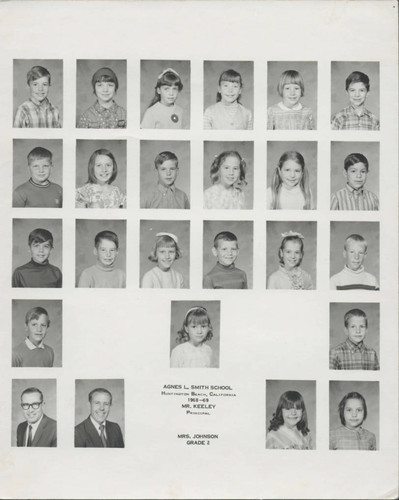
104	75
355	237
106	235
218	162
288	400
357	77
169	79
196	316
39	154
224	236
164	241
165	156
35	313
290	76
32	390
354	158
285	240
37	72
355	313
92	161
230	75
341	406
40	236
100	390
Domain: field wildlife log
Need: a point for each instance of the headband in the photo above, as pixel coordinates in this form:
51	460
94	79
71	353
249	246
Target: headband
168	70
293	233
173	236
193	309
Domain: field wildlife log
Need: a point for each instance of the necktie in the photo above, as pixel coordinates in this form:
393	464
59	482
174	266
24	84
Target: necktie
29	442
102	435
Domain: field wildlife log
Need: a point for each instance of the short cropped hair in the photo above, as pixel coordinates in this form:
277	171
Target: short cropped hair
106	235
35	313
351	395
357	77
39	153
290	76
32	390
37	72
101	390
224	236
354	313
40	235
92	161
354	158
356	237
165	156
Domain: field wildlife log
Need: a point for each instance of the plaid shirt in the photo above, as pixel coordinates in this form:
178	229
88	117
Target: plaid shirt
99	117
356	439
37	115
349	356
352	199
348	119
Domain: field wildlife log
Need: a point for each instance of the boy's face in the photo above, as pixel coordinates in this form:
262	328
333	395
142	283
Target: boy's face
168	94
357	93
32	415
104	91
356	329
292	94
353	413
100	405
39	88
354	254
40	170
167	173
356	175
226	252
40	252
230	91
37	329
106	252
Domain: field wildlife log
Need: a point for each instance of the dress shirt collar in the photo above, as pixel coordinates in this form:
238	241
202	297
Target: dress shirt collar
364	111
43	104
32	346
163	189
354	347
102	109
297	107
34	429
354	192
97	425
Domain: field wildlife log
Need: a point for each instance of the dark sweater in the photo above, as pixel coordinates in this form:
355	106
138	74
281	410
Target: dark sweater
225	277
34	275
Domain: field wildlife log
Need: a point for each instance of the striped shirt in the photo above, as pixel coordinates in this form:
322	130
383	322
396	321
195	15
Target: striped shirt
348	119
348	439
353	280
350	356
31	114
354	199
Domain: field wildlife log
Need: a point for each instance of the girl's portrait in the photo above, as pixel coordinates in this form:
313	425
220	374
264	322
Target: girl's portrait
291	239
164	254
100	174
291	422
228	98
351	404
104	82
228	175
165	94
195	334
294	86
291	175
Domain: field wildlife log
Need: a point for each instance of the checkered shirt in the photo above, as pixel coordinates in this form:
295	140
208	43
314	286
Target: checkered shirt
350	356
348	439
347	119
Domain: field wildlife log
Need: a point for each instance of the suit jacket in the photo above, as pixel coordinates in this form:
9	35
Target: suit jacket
86	435
45	435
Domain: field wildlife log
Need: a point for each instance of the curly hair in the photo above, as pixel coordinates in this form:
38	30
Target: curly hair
197	315
288	400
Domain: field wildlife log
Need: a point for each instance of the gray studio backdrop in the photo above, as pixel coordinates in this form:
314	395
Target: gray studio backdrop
308	71
340	150
150	69
245	150
369	230
85	69
274	229
181	229
308	149
371	393
148	173
244	232
21	149
49	390
54	331
307	388
86	230
20	86
179	309
21	230
212	72
337	332
340	70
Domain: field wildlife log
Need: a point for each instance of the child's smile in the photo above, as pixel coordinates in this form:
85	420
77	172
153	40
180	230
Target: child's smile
291	174
292	94
165	257
356	175
106	252
40	251
103	169
197	333
291	255
105	91
354	254
291	416
37	329
356	329
168	94
230	171
230	91
40	170
353	413
39	88
357	93
226	252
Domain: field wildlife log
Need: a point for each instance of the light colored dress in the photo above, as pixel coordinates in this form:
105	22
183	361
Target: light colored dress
297	279
156	278
94	196
279	117
288	199
288	439
218	197
232	117
187	355
161	116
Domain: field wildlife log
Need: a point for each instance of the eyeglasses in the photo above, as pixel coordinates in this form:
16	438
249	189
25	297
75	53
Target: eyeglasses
35	406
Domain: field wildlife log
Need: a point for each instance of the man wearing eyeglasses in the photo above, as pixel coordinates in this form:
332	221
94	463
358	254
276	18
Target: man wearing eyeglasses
39	429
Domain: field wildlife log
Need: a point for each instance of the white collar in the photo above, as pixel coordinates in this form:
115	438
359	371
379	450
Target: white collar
32	346
297	107
97	425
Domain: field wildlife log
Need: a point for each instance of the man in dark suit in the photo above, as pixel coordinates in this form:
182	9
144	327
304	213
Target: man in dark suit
96	431
38	429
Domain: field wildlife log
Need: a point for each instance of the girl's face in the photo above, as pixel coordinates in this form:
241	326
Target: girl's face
291	174
197	332
229	171
230	91
353	413
292	94
168	94
103	169
165	257
105	91
291	416
291	254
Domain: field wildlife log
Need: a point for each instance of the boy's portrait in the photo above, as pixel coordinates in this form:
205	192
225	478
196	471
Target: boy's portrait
36	333
355	95
38	91
354	336
354	256
228	254
355	175
100	253
165	174
37	173
38	241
